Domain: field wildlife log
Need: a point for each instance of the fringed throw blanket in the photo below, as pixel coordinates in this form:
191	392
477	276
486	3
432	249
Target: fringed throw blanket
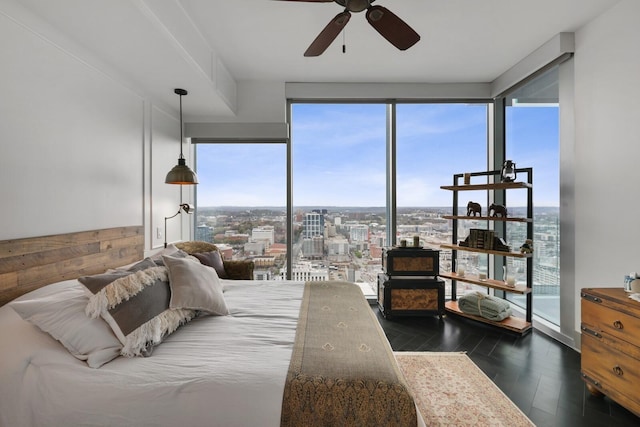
487	306
342	371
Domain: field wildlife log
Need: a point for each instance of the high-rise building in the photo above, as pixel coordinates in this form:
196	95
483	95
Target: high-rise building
305	271
313	225
264	232
204	233
313	247
359	233
338	247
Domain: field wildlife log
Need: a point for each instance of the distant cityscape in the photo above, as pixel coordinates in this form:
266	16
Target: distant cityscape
345	243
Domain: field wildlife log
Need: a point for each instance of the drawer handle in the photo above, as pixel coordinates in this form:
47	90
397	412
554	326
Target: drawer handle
590	298
618	370
589	331
617	324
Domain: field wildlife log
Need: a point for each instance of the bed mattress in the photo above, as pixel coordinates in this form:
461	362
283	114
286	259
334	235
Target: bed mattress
202	374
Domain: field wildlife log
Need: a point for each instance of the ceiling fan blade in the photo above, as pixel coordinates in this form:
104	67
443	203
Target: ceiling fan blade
392	28
328	35
311	1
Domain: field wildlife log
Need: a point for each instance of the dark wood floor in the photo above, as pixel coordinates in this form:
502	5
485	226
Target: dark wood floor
539	374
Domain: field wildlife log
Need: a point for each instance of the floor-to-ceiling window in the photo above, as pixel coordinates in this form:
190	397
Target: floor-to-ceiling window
433	142
241	202
338	174
334	195
340	180
339	185
532	140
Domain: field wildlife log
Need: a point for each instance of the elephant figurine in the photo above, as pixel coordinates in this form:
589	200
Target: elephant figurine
474	208
527	247
497	210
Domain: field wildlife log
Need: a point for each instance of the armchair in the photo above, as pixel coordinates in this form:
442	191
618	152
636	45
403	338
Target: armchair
237	270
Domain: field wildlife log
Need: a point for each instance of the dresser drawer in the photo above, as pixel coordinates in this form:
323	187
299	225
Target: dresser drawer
605	320
613	372
410	297
411	262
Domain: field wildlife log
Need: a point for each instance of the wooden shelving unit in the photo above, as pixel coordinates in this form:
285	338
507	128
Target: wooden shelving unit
491	186
512	323
488	218
485	251
489	283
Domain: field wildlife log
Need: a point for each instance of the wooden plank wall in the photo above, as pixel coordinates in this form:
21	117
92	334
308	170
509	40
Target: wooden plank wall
28	264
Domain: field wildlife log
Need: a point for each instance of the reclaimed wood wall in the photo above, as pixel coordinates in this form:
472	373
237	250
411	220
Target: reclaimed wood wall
28	264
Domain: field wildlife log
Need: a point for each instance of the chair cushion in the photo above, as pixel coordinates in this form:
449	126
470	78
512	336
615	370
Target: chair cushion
213	259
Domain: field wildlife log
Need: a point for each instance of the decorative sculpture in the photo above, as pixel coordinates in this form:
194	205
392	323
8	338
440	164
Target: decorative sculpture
527	247
508	173
473	208
497	210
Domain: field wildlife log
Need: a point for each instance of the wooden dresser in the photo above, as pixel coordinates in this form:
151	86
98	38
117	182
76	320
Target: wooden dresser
611	345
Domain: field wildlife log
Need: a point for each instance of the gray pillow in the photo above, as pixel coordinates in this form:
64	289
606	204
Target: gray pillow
142	265
195	286
98	281
62	315
136	307
213	259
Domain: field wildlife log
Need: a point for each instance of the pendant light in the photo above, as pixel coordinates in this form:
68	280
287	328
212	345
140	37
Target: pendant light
181	173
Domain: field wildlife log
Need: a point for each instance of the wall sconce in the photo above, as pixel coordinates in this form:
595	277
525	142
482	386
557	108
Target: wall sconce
508	173
181	173
183	207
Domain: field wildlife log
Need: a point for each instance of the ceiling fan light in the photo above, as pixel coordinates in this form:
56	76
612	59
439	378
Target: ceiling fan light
357	5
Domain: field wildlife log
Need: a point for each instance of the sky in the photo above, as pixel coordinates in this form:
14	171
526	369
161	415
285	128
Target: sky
339	157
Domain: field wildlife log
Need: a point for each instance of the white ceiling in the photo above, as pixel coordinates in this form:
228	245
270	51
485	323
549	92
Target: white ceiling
157	45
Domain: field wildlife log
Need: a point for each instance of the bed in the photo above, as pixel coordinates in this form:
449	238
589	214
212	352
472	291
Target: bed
252	367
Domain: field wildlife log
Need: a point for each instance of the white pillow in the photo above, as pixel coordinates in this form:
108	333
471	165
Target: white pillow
62	315
195	286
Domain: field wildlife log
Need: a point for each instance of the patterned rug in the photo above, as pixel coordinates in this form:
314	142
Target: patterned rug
450	390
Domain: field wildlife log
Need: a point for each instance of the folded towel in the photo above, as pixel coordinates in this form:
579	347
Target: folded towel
487	306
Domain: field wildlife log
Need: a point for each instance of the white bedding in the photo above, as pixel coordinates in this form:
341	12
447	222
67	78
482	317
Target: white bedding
201	375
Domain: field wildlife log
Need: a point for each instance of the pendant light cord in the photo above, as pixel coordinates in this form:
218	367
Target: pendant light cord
181	138
180	92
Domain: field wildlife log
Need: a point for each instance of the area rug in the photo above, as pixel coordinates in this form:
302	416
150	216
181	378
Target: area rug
450	390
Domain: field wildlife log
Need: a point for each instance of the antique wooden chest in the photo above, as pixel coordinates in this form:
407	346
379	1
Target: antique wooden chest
411	261
410	296
610	349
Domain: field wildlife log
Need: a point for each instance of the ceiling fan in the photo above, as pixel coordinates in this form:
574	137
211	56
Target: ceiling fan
392	28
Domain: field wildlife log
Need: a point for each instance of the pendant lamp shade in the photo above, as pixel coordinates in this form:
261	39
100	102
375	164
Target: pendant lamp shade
181	174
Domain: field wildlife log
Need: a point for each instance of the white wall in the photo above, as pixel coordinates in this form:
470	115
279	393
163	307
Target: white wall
257	102
167	198
79	150
607	149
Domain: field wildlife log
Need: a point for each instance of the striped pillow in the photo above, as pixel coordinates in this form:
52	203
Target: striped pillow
136	307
